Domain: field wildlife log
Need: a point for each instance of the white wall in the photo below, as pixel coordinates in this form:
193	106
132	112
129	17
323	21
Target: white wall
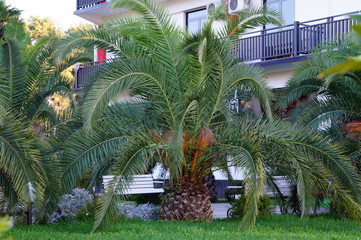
313	9
278	79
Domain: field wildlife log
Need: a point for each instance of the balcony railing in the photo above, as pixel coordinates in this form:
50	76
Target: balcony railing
293	40
84	70
82	4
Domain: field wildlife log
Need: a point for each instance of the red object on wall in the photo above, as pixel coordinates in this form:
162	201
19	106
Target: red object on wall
102	53
102	2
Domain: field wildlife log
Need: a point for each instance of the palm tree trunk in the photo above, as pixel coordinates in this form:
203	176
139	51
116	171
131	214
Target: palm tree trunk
187	201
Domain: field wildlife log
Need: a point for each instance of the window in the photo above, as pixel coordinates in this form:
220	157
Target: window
285	7
196	19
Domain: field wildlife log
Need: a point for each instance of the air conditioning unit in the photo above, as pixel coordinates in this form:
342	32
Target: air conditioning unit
212	6
235	6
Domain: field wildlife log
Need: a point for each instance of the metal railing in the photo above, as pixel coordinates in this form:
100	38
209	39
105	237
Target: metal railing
82	4
289	41
84	70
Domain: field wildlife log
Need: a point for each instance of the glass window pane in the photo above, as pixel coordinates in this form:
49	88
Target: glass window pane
274	6
196	20
193	27
203	21
288	11
197	14
286	8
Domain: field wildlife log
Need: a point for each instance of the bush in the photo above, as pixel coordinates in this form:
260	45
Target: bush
264	206
71	205
142	211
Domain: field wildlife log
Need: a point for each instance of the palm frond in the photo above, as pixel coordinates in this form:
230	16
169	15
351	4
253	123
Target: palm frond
21	159
12	75
135	158
84	150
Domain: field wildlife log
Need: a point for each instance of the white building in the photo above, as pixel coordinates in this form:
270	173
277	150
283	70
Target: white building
311	21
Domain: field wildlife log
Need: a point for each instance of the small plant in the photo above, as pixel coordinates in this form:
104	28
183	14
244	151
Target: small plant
142	211
238	206
72	205
265	205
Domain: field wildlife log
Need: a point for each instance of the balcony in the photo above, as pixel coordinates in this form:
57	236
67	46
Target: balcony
84	70
291	41
96	11
272	46
82	4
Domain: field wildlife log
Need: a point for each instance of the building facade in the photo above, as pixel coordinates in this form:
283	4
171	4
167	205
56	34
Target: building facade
307	23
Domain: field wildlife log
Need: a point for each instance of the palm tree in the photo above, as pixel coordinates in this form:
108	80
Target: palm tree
7	14
178	115
329	104
30	78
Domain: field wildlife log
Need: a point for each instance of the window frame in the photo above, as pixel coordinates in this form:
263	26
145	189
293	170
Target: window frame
201	8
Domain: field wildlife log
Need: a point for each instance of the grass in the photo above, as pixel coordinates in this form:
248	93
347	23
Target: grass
268	227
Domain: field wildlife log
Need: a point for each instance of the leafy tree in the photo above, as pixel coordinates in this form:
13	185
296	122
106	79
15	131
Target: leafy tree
42	27
176	113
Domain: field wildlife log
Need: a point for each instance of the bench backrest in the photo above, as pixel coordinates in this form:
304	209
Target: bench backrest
141	184
283	185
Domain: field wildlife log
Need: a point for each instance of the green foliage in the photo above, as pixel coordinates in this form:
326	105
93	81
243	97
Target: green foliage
238	206
268	227
7	13
87	213
165	99
328	103
32	84
42	27
5	226
352	63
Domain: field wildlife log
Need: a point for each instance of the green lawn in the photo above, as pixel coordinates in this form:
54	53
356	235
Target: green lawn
270	227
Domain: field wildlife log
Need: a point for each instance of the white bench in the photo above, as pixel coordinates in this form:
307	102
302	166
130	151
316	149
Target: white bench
281	182
141	184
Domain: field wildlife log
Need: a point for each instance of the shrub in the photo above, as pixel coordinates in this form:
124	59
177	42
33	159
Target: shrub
264	206
141	211
73	204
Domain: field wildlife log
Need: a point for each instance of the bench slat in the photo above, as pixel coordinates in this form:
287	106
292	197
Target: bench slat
281	182
140	184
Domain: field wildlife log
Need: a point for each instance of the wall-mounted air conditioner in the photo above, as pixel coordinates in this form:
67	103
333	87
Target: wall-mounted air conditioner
212	6
235	6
